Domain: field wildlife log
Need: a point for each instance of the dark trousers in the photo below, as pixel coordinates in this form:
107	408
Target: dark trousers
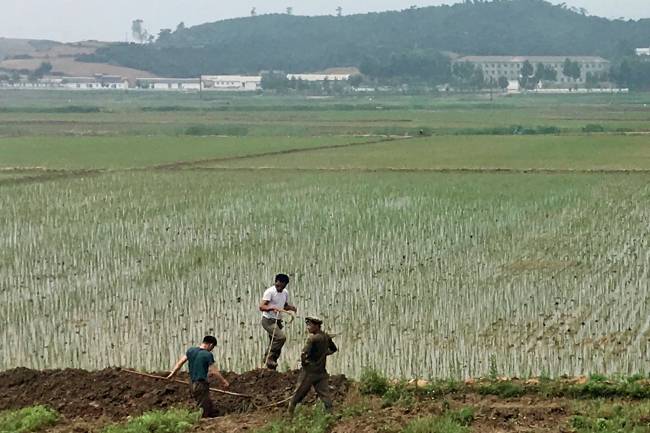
201	394
307	381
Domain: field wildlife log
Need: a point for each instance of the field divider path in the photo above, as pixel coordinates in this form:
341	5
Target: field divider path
468	170
47	174
183	164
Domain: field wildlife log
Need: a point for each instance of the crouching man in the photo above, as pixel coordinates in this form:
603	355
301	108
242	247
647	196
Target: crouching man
314	359
201	363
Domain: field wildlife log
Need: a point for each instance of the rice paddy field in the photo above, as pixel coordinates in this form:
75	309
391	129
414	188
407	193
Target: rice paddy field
437	237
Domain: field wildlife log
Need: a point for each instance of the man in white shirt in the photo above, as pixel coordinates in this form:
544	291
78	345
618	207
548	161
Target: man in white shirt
274	301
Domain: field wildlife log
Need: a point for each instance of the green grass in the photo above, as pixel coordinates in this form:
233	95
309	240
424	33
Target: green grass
448	423
305	420
31	419
476	152
169	421
125	152
608	417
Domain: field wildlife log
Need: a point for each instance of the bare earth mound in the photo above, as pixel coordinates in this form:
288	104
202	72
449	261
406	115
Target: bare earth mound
115	393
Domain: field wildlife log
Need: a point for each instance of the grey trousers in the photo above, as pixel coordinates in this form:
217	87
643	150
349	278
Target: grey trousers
277	338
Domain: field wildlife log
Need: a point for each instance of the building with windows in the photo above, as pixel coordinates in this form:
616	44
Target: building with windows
494	67
233	83
319	77
642	51
169	84
96	82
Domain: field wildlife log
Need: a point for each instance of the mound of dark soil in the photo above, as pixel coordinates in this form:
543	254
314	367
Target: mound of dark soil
116	393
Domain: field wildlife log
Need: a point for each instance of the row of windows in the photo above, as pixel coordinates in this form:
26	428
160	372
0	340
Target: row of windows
557	65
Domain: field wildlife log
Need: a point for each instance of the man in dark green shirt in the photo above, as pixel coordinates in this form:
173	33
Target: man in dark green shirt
201	363
314	359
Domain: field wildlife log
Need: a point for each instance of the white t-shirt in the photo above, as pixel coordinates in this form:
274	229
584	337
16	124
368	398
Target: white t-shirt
276	299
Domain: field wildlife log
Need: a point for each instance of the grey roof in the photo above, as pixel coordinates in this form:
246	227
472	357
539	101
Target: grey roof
532	59
169	80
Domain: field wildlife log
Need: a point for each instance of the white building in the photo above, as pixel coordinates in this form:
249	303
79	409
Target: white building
233	83
509	67
319	77
642	51
169	84
96	82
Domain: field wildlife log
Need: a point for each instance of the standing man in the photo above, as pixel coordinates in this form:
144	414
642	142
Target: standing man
314	359
274	301
201	363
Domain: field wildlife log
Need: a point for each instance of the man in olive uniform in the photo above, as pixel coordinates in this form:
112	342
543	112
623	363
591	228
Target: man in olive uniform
313	359
201	362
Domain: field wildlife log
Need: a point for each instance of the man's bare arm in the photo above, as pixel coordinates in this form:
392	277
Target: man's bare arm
264	306
178	366
289	307
215	372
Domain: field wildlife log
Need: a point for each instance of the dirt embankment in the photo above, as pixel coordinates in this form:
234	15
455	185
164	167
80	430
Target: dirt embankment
115	393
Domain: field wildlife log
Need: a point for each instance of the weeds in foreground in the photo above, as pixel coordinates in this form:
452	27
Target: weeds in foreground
30	419
169	421
372	382
451	422
306	420
606	417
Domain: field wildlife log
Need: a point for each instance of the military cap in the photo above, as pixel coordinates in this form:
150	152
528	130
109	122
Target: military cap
313	319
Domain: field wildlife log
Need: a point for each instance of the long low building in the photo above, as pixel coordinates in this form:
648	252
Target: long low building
233	83
97	82
509	67
319	77
168	84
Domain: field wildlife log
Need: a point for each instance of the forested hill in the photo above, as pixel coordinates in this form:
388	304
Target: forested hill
298	43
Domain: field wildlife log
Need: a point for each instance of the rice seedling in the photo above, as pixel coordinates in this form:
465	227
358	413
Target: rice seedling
420	275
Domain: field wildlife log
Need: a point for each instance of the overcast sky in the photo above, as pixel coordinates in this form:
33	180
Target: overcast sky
73	20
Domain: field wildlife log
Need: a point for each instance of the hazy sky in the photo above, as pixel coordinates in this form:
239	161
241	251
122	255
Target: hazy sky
72	20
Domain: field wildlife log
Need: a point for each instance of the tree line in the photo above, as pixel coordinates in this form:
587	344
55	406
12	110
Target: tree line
408	44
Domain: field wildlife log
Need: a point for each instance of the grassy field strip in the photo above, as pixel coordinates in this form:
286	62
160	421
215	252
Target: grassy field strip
590	153
366	141
129	152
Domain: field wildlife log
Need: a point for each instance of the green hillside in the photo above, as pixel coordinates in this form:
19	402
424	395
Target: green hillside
299	43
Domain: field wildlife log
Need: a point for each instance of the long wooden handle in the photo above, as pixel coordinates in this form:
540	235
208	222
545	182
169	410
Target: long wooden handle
151	376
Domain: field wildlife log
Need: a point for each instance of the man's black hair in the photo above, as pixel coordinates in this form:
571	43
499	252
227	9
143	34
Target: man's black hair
209	339
282	278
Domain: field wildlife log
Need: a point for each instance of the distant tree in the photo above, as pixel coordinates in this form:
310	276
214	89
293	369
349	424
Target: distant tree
275	80
526	76
571	69
339	11
468	76
355	80
165	36
254	12
544	73
138	31
289	10
180	27
632	73
44	69
503	82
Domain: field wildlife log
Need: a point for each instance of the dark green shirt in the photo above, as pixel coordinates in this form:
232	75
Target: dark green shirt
200	361
314	355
